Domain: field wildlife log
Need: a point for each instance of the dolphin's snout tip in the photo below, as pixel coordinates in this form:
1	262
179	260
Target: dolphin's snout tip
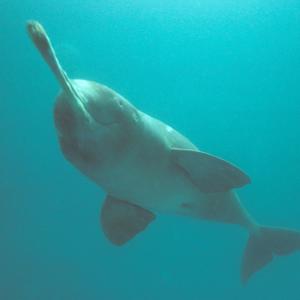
34	28
38	35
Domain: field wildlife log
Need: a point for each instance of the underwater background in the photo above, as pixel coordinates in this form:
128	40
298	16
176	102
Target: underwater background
224	73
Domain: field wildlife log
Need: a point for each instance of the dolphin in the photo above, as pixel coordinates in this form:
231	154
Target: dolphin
147	167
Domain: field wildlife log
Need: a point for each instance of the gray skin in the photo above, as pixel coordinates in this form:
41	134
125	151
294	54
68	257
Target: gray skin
128	154
145	166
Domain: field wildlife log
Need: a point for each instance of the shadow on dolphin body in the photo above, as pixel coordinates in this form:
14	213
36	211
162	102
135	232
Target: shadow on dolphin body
145	166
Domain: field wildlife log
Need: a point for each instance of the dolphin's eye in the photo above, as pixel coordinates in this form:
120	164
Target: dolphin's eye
120	102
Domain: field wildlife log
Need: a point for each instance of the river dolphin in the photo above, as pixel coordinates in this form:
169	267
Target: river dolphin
145	166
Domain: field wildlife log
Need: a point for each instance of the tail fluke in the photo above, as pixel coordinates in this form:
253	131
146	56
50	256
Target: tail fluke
263	245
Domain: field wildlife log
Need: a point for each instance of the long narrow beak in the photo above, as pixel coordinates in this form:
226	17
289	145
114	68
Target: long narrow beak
42	42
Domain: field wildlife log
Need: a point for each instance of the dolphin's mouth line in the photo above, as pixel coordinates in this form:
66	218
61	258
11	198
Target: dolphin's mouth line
107	124
92	119
82	106
80	111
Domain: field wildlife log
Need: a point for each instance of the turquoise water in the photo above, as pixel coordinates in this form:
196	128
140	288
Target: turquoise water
224	73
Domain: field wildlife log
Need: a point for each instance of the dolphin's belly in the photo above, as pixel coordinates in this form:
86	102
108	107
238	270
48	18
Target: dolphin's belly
157	186
164	192
163	188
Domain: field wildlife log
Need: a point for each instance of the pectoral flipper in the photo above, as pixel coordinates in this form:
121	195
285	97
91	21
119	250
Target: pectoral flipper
121	220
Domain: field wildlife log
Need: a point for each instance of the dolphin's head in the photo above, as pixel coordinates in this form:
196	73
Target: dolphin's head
92	106
100	103
94	125
92	120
